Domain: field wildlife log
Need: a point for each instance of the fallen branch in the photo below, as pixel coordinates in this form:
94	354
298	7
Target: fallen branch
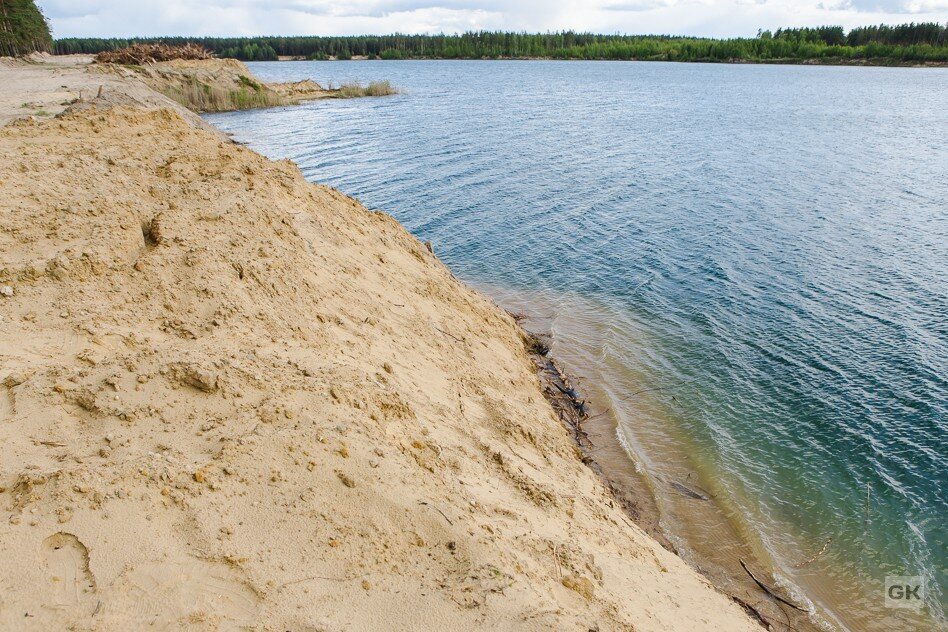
687	491
751	609
770	592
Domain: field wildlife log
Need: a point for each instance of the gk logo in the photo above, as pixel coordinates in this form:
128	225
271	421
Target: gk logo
904	592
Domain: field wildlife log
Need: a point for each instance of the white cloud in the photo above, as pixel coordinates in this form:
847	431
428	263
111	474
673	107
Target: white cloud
330	17
893	6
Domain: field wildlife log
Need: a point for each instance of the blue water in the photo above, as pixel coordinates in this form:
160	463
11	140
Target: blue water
771	243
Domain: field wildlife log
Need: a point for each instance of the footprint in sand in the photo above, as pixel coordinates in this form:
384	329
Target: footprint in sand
167	595
67	561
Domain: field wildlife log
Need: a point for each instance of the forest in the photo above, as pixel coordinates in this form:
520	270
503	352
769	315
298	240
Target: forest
23	29
900	44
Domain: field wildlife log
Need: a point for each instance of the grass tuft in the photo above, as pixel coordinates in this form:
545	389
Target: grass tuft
249	83
202	97
355	89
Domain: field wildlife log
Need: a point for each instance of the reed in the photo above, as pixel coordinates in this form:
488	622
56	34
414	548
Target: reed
355	89
199	96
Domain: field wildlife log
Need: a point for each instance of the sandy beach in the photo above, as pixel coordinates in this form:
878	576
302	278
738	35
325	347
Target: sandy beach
233	399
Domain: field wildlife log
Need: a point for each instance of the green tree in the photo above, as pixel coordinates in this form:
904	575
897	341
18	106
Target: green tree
23	28
905	43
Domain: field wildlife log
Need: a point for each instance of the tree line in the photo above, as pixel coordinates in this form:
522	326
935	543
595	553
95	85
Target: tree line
906	43
23	29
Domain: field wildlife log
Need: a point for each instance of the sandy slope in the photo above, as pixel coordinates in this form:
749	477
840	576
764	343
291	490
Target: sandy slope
45	86
233	399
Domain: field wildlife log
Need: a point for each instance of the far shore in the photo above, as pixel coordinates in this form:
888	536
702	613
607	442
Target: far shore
83	58
881	63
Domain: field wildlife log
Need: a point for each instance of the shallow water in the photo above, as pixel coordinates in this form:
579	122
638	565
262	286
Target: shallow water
767	245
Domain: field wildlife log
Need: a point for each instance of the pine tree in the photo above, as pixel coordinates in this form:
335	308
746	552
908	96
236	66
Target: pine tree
23	28
925	42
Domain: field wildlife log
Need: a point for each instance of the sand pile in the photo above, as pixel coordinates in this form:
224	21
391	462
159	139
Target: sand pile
214	85
234	399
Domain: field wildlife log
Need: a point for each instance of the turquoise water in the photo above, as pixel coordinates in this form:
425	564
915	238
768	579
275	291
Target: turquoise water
767	244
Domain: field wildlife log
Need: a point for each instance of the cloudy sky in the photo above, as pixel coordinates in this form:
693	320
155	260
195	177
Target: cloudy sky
328	17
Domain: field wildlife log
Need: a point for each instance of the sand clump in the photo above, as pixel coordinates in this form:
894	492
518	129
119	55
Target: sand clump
232	399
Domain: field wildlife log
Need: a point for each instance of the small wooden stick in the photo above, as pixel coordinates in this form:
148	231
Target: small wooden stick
427	504
450	335
822	551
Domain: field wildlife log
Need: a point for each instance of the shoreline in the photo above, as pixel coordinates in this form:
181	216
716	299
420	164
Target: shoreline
597	436
713	533
867	63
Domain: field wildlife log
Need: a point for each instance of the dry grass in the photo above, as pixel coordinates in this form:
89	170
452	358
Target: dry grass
139	54
373	89
203	97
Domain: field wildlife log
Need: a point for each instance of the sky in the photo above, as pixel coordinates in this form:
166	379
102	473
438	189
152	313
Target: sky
712	18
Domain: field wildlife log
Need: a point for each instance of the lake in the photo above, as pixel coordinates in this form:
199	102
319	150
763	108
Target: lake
747	265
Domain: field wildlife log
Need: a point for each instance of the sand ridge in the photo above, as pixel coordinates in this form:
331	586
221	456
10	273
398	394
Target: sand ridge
232	399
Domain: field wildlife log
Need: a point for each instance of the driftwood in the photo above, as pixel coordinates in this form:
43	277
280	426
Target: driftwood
770	592
687	491
752	610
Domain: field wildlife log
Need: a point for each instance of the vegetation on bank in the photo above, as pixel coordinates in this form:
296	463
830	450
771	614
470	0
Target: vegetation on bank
23	29
906	43
220	85
204	96
373	89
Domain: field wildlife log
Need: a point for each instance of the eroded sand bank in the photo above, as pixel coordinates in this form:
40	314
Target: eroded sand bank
234	399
